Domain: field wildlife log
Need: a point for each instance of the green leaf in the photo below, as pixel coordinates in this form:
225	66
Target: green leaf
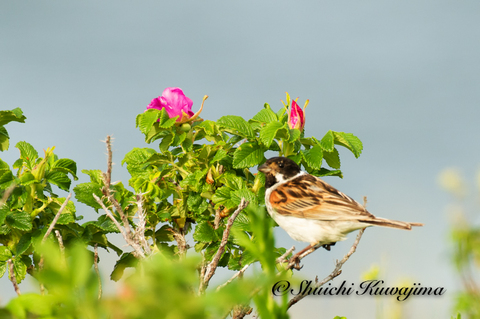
219	155
243	193
84	191
164	234
265	116
332	158
269	131
166	142
208	126
23	244
3	268
236	125
294	135
165	120
66	165
6	178
4	139
15	115
327	142
313	157
248	155
60	179
223	197
146	120
27	153
349	141
5	253
4	211
205	233
127	260
19	220
19	268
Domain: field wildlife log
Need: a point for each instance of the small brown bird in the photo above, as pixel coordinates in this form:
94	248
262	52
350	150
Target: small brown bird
311	210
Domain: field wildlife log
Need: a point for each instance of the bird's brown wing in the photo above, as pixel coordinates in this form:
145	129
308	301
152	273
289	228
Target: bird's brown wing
309	197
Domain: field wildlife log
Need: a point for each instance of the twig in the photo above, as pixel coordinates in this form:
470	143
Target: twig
336	272
127	238
109	161
140	231
212	266
7	194
95	262
237	274
60	243
57	216
283	257
13	279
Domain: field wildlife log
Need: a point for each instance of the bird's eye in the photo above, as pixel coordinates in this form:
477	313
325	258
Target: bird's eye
280	164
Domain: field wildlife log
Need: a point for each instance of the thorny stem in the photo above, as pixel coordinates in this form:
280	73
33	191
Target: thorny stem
13	279
212	266
57	216
336	272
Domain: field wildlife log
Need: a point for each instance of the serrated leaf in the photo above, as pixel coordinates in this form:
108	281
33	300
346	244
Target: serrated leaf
313	157
67	165
165	121
242	222
6	178
19	268
294	135
127	260
146	120
5	253
219	155
27	153
4	211
327	142
15	115
236	125
248	155
84	191
269	131
349	141
19	220
60	179
265	116
23	244
332	158
223	197
208	126
327	172
3	268
205	233
4	139
164	234
166	142
243	193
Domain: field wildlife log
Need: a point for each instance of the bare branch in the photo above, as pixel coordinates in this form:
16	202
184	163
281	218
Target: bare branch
336	272
212	266
7	194
13	279
237	274
57	216
60	243
109	161
142	222
283	257
126	236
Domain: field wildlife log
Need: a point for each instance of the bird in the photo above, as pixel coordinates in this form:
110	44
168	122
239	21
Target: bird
311	210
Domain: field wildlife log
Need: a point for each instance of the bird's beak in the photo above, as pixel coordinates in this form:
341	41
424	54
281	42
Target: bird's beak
264	168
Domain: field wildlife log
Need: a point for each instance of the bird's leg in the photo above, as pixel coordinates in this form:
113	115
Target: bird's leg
327	246
296	257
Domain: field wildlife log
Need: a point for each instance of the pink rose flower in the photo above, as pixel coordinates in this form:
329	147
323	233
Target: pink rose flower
175	103
296	117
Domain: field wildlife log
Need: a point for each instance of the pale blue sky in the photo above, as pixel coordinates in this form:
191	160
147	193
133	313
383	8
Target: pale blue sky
403	76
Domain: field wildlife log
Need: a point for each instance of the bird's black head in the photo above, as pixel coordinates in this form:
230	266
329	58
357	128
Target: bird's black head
277	169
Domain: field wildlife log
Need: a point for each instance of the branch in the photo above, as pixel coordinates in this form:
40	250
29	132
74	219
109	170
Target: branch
13	279
57	216
336	272
239	273
212	266
126	236
60	243
140	231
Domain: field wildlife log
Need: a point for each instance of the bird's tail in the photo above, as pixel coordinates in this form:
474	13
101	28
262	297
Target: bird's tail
390	223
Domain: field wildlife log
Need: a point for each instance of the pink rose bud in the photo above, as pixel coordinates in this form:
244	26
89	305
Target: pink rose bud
296	117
